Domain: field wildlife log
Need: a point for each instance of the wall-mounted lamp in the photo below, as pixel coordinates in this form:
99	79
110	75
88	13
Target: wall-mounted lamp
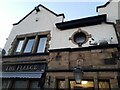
78	73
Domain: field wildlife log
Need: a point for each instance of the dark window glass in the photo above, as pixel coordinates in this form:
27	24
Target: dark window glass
118	78
41	44
29	46
19	46
20	84
5	84
80	38
34	85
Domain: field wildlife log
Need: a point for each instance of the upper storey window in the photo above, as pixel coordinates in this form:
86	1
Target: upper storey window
31	43
41	44
19	47
80	37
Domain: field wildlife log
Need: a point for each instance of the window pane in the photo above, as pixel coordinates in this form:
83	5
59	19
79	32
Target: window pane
29	46
84	85
34	85
20	84
19	47
79	38
5	84
104	85
42	44
61	84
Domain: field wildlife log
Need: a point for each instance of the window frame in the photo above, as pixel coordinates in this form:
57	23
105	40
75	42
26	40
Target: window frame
39	37
104	80
76	33
17	44
25	45
90	80
8	83
12	81
26	37
57	84
30	83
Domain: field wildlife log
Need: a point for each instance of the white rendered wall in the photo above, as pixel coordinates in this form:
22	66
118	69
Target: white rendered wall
112	11
60	39
46	22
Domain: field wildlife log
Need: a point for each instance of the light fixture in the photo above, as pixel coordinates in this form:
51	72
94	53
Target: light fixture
84	82
78	75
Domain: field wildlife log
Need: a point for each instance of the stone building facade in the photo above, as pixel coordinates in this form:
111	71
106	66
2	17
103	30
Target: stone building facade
43	51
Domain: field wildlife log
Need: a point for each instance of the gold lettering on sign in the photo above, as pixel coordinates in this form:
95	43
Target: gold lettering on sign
10	68
19	67
26	67
35	67
22	68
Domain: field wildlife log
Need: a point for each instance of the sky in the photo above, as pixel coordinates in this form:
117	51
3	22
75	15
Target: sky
12	11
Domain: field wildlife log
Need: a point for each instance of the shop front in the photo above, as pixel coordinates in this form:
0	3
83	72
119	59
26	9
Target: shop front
84	85
27	76
91	79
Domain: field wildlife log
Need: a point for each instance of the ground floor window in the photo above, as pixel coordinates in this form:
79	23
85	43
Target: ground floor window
118	78
60	84
5	84
19	84
34	85
89	85
104	85
86	84
26	84
83	85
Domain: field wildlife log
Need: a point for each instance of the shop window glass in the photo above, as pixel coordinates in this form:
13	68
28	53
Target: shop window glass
118	78
34	85
29	46
41	44
61	84
104	85
84	85
20	84
5	84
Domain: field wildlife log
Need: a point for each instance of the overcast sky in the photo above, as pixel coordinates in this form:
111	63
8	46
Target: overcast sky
11	11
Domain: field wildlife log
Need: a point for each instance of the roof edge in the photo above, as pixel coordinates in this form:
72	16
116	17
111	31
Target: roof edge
88	21
102	6
62	14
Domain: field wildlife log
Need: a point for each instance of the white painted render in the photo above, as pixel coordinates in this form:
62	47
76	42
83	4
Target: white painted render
59	39
0	53
46	22
112	10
